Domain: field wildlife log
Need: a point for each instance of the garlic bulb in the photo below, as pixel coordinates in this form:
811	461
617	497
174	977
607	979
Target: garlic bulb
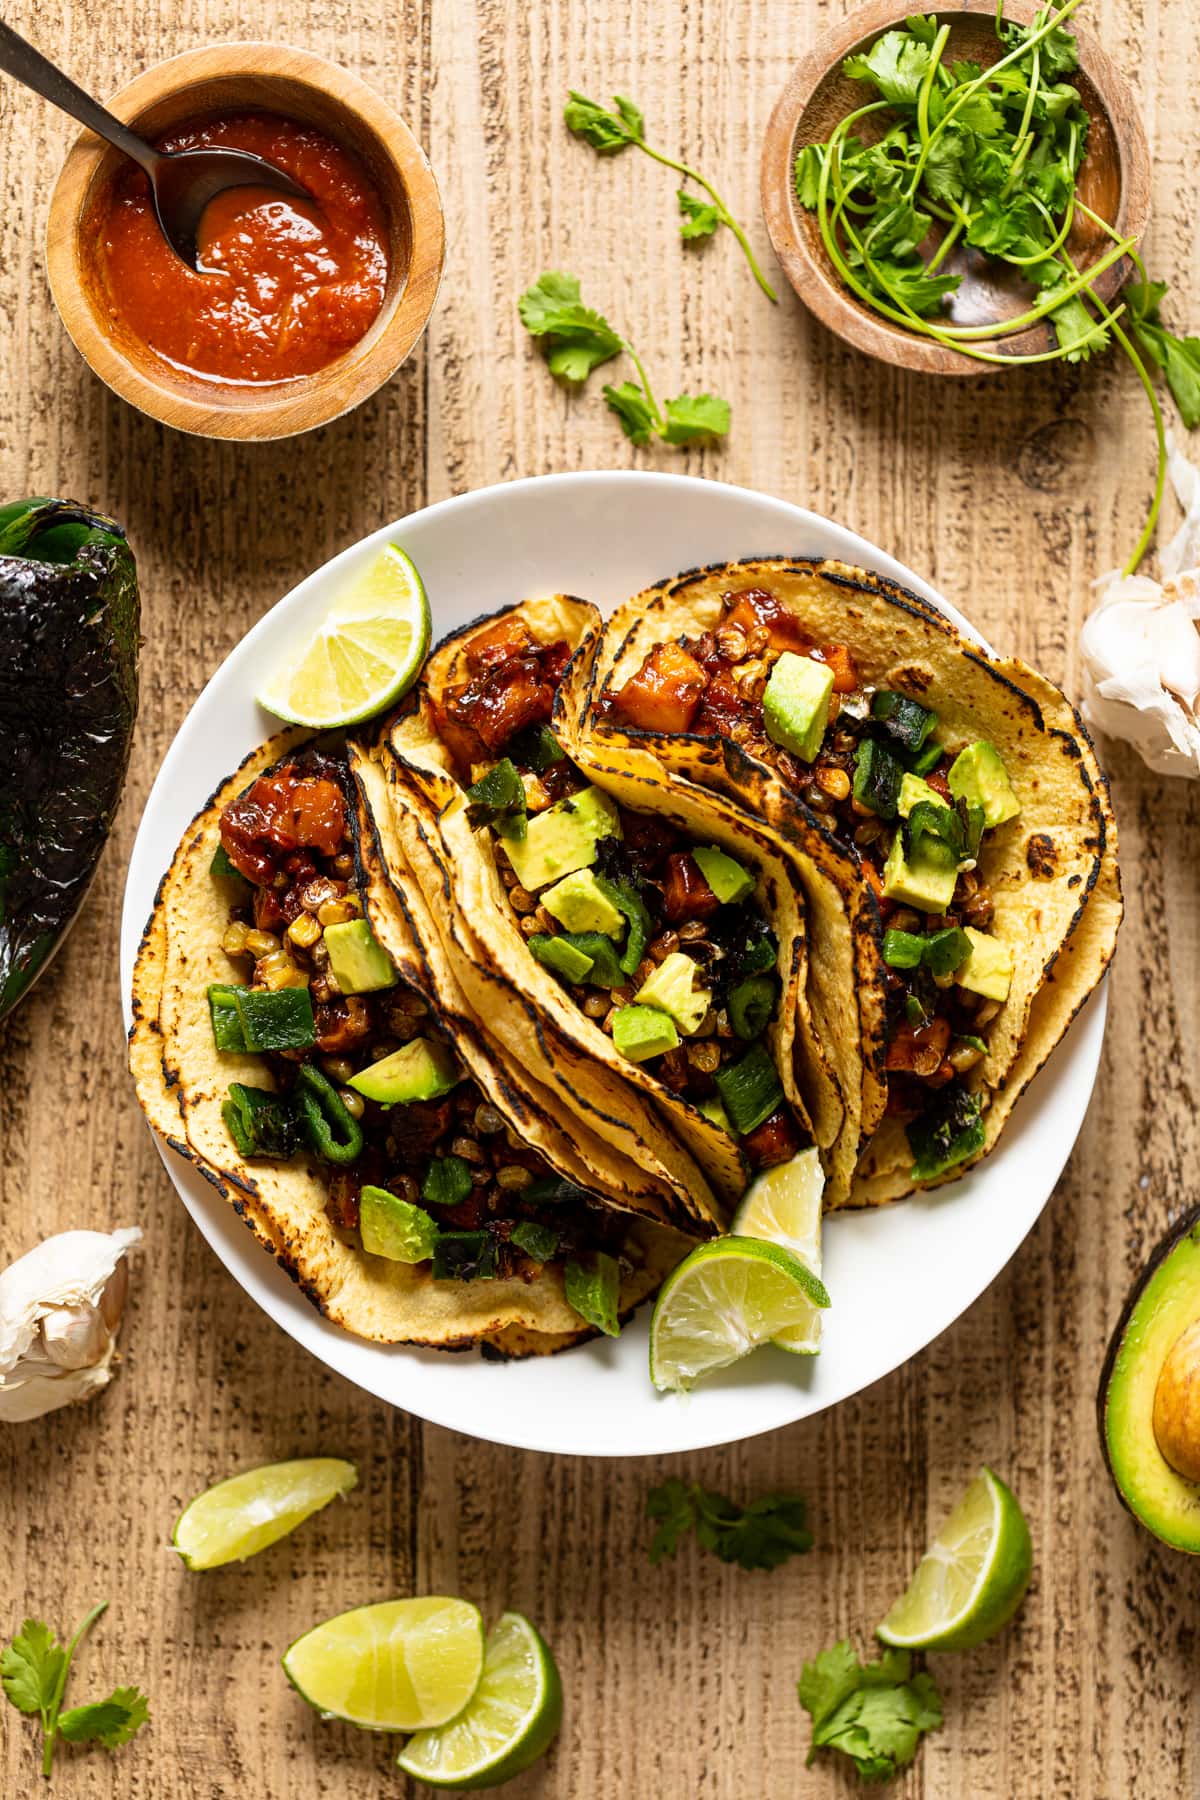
1141	648
60	1311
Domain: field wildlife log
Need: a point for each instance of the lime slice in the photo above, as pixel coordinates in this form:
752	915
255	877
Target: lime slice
510	1720
723	1301
365	654
783	1206
239	1517
972	1578
399	1666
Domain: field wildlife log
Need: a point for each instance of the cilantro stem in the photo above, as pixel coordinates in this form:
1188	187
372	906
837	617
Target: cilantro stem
51	1711
636	360
1160	433
935	60
726	217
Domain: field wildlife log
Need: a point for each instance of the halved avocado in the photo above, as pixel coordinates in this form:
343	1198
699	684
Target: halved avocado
1149	1398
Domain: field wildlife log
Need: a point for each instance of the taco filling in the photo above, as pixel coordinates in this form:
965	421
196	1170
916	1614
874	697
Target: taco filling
657	937
868	761
419	1166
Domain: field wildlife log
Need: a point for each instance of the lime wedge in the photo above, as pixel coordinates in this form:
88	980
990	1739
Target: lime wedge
510	1720
783	1206
723	1301
399	1666
239	1517
972	1578
365	654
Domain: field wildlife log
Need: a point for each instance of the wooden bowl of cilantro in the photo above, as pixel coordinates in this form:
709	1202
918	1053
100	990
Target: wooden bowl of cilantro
953	192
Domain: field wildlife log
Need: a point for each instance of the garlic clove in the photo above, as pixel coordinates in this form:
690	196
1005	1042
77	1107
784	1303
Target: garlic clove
75	1336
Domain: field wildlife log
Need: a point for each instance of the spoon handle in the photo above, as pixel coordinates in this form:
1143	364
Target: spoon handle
19	59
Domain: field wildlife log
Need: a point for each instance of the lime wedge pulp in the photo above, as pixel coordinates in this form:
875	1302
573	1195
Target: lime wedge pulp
972	1578
724	1300
239	1517
510	1720
365	654
783	1206
399	1666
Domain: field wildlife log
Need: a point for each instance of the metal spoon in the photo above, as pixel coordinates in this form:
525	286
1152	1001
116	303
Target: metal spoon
182	181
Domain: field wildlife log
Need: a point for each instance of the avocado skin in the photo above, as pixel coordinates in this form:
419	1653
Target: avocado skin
68	700
1187	1229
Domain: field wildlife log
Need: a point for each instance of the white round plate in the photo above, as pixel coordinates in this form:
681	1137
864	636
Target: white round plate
898	1277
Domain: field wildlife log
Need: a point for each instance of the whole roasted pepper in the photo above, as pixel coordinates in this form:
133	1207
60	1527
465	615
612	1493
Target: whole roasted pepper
69	617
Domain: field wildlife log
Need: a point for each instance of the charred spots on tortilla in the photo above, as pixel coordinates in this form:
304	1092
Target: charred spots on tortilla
1041	855
912	678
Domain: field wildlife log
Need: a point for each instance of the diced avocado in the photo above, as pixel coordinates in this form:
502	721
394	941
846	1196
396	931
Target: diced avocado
926	885
563	838
359	962
1148	1418
715	1111
395	1228
422	1070
978	776
605	971
729	881
988	969
673	989
556	953
580	904
796	704
640	1032
912	791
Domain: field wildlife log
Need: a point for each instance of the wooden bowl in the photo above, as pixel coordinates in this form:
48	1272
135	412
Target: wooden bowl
270	78
1114	180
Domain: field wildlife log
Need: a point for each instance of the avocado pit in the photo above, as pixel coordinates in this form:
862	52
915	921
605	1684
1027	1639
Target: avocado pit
1176	1415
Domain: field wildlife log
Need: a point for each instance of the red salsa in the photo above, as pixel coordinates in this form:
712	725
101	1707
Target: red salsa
287	285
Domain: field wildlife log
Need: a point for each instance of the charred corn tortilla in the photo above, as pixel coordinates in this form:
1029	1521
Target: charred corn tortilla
182	1079
1051	870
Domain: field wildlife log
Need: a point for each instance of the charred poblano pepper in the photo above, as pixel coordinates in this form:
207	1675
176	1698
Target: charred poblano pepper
69	618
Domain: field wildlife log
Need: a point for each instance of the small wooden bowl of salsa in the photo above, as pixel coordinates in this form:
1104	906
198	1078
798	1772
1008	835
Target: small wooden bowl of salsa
300	309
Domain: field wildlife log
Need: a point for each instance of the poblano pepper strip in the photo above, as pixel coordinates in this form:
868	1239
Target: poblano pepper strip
261	1123
68	699
332	1131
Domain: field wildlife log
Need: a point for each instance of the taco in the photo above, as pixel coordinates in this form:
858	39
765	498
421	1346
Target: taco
650	940
955	792
290	1042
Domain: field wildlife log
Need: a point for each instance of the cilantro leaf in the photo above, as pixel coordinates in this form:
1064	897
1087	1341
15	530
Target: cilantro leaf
692	417
1179	359
31	1666
808	175
1073	325
700	217
577	338
909	282
923	26
606	132
1058	51
897	63
873	1713
944	171
633	409
110	1722
761	1535
1145	298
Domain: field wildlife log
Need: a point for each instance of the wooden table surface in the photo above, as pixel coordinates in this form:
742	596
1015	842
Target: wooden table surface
1011	493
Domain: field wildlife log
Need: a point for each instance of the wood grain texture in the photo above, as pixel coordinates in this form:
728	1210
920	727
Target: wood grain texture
1012	494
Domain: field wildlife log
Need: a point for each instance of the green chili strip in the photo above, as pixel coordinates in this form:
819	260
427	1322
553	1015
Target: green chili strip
332	1131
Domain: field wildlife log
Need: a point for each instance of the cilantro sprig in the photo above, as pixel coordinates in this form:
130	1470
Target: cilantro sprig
624	128
33	1672
949	154
576	339
759	1536
873	1713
